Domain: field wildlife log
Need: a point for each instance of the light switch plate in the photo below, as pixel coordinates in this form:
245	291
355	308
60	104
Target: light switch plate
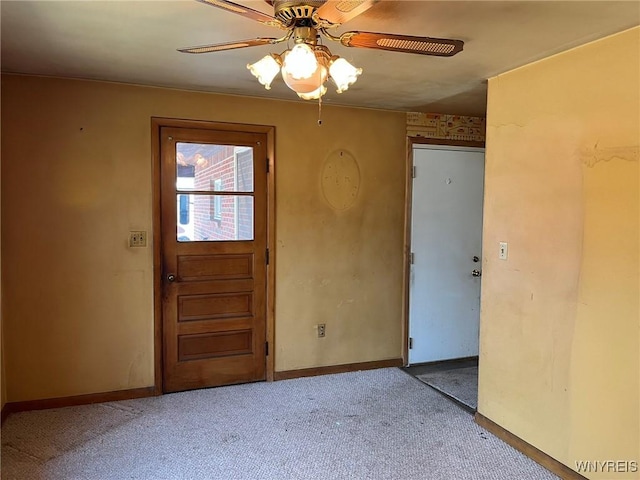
504	251
137	239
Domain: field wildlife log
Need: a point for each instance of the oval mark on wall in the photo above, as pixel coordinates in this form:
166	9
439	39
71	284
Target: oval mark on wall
340	180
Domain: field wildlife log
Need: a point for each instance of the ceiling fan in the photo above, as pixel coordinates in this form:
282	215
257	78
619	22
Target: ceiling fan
306	67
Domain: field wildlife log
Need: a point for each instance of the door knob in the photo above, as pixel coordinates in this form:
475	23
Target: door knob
171	277
476	273
476	259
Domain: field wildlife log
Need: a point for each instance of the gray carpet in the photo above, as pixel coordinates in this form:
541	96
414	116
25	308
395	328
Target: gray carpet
378	424
459	383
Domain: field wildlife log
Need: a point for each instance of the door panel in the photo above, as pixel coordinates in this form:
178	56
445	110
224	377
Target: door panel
214	239
215	267
446	235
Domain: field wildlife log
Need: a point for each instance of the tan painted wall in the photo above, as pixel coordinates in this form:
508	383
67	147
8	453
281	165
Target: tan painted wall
559	363
76	178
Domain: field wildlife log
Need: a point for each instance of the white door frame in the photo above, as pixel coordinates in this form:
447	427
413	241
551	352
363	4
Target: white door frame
411	142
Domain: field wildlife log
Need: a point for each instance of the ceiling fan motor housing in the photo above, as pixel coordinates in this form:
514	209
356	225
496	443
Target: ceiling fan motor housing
291	12
304	34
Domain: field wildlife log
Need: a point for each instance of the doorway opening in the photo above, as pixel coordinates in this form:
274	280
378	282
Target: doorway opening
444	266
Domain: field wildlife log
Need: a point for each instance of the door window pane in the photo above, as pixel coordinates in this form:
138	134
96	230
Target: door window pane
232	218
207	167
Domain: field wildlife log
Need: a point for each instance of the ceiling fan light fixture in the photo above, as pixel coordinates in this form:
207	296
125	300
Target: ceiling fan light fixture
343	73
300	62
305	85
266	69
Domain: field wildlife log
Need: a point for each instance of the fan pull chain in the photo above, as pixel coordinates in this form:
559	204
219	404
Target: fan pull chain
320	111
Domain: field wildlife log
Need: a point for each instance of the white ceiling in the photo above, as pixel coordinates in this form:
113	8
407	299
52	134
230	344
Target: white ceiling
136	41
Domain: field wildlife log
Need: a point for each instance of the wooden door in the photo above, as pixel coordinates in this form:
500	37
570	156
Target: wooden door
213	195
446	241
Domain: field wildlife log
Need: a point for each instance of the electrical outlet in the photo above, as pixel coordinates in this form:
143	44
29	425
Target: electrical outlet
321	329
138	239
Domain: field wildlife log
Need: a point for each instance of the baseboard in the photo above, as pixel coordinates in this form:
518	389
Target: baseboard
59	402
538	456
347	367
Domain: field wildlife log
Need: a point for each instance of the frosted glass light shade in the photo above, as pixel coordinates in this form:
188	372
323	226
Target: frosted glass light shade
316	94
305	85
300	62
265	70
343	73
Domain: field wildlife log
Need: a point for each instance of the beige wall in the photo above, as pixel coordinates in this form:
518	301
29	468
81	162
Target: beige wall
559	363
76	177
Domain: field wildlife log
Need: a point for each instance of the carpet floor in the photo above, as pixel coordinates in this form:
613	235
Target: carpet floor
377	424
459	383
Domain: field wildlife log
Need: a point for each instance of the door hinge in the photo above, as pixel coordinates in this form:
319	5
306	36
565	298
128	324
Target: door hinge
413	172
268	165
267	256
410	343
411	258
266	348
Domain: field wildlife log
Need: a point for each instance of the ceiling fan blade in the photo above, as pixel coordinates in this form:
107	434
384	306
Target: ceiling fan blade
336	12
218	47
442	47
245	12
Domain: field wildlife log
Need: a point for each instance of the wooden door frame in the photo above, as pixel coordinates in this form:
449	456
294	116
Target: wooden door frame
406	270
156	124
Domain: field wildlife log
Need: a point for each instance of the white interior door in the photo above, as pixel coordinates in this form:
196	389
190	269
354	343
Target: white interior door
446	240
